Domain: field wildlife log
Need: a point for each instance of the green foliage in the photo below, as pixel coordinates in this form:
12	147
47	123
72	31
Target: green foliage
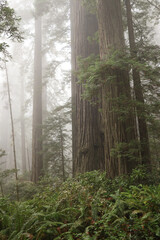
26	189
93	72
4	174
57	142
9	24
87	207
90	5
128	151
144	12
2	153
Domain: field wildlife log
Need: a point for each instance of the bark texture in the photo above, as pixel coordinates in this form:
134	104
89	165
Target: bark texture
88	153
37	161
142	125
120	133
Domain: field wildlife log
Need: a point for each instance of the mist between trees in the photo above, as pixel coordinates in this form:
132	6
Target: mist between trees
36	47
79	88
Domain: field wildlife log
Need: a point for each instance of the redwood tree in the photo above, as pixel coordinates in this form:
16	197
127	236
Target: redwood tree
37	161
142	125
120	134
88	152
23	129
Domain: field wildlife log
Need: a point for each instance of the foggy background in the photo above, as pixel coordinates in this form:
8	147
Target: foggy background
56	76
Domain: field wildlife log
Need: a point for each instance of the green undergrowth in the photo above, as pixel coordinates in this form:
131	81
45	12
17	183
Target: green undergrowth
88	207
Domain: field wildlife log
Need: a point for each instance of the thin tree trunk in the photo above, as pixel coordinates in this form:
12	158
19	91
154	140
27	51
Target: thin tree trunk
29	167
23	143
44	70
2	189
143	131
62	152
155	151
4	134
37	161
44	103
87	135
120	133
13	134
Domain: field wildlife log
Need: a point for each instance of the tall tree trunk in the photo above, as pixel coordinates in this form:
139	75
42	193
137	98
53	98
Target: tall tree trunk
13	132
62	151
44	106
37	161
23	141
44	96
120	134
88	153
44	71
2	192
143	131
28	160
5	135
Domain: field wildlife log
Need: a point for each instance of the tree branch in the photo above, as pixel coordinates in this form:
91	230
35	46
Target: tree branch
153	4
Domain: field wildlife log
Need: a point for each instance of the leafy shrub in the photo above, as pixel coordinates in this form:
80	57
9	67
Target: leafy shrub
88	207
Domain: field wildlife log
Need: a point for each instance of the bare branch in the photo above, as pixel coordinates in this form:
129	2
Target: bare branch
154	4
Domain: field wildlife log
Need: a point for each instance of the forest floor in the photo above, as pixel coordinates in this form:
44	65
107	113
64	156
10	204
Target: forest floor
88	207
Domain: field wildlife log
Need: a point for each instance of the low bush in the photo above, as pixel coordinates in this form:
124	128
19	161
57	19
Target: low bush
89	207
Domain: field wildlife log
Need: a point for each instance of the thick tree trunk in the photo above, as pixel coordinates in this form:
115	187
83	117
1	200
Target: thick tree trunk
120	134
143	131
37	161
88	153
